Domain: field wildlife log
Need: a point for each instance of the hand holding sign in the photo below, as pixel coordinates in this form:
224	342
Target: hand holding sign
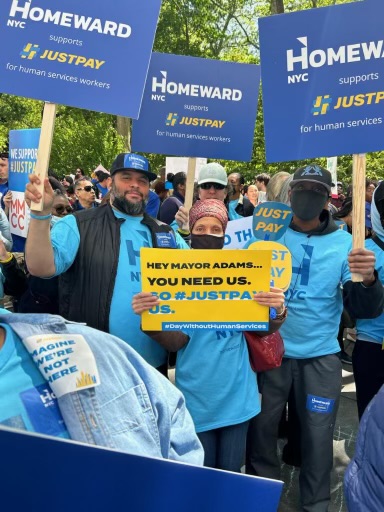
182	218
34	198
274	298
144	301
358	210
7	201
44	151
362	263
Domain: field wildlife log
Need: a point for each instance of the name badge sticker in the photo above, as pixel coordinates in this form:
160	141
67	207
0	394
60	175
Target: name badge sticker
65	361
43	411
166	240
320	404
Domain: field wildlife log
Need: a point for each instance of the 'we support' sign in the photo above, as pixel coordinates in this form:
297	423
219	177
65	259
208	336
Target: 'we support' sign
23	146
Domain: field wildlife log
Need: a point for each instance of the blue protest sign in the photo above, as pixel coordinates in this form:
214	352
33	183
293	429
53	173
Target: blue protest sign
111	480
198	108
23	146
322	71
271	220
90	54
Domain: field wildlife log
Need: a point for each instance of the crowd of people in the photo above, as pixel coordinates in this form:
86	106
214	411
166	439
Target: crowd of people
82	262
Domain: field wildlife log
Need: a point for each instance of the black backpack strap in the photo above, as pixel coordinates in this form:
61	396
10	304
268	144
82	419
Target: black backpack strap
378	242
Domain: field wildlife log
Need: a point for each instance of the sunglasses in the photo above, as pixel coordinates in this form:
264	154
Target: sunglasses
61	209
216	186
88	188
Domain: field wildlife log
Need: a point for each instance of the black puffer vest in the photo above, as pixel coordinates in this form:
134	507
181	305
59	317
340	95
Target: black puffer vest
86	289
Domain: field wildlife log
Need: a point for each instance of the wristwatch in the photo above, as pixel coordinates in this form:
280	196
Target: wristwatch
283	314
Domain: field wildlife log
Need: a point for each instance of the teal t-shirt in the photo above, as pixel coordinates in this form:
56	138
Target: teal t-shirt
372	329
123	322
314	297
214	374
232	213
26	400
103	190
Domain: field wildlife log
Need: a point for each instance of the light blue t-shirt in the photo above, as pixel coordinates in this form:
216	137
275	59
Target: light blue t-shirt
232	213
215	376
103	190
123	322
314	297
153	204
26	400
372	329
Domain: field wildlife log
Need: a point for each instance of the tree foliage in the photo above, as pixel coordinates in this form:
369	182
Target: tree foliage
207	28
16	113
82	138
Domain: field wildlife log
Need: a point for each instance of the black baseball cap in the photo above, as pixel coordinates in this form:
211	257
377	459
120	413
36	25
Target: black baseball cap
132	162
314	174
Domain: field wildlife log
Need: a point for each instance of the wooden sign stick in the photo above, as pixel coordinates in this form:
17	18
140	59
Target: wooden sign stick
44	151
358	212
190	184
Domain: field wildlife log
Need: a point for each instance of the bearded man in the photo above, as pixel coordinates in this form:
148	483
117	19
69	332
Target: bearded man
96	253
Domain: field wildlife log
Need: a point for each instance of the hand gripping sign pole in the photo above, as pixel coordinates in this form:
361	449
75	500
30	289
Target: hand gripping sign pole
44	151
358	212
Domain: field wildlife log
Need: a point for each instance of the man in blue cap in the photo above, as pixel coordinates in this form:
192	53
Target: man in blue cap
97	254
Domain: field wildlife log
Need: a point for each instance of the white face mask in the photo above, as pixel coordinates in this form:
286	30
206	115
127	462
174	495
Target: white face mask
54	219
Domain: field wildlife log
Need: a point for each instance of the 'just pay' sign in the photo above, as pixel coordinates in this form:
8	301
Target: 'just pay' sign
271	220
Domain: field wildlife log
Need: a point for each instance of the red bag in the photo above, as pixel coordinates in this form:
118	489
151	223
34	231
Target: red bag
265	352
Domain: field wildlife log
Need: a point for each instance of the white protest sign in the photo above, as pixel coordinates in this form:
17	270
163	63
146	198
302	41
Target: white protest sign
176	164
332	168
238	232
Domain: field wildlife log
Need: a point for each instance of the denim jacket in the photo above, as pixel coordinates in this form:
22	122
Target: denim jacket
134	409
364	477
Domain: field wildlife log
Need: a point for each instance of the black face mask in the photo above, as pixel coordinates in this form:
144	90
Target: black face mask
307	204
207	242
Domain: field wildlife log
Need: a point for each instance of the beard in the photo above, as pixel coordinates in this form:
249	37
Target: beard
124	205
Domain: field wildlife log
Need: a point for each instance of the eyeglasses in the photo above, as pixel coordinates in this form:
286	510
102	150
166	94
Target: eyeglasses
88	188
216	186
61	209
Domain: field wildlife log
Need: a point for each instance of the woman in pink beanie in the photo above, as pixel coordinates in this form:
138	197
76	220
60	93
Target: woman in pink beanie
212	367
